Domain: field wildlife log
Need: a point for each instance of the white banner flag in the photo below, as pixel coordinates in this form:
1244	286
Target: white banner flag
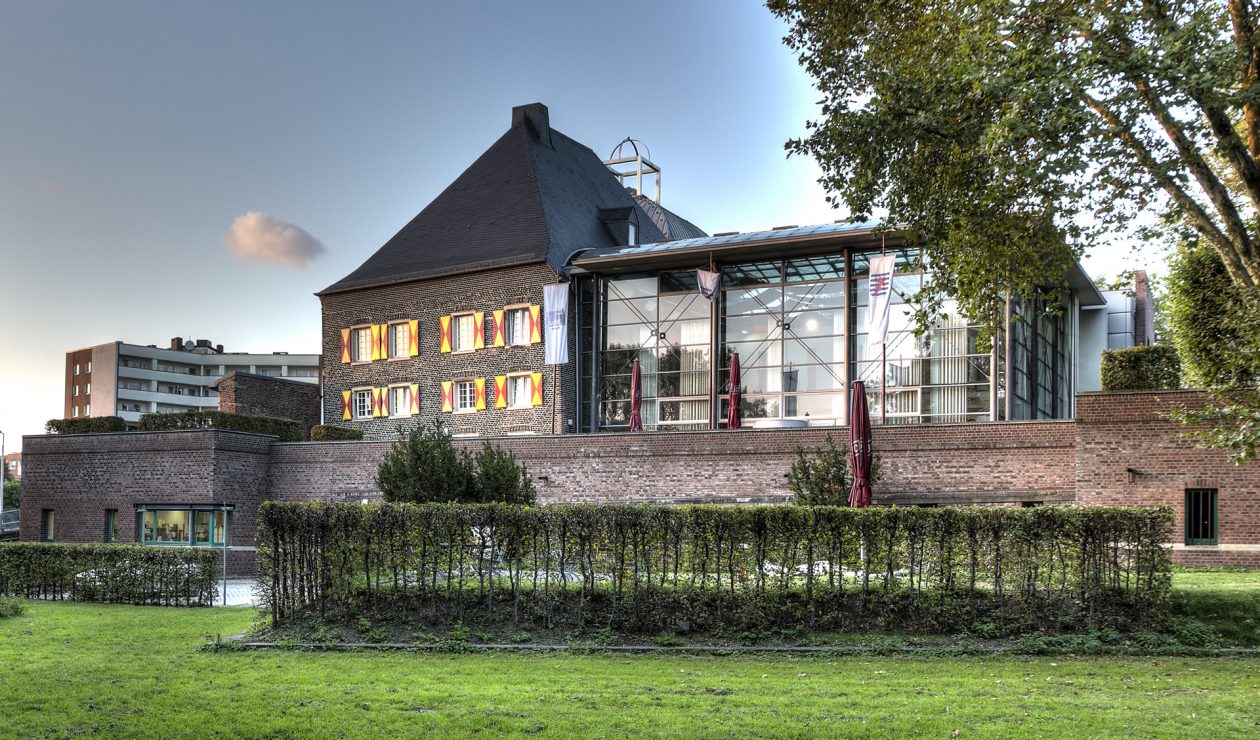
709	282
556	323
880	287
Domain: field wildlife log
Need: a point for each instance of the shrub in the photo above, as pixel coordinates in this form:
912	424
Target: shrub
1153	368
423	466
10	607
120	574
498	477
652	568
287	430
86	425
331	433
12	494
825	479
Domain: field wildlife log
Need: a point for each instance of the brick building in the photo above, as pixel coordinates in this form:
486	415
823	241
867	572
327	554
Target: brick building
445	321
1119	450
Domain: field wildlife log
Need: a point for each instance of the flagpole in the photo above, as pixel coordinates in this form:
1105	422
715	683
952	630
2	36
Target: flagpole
883	346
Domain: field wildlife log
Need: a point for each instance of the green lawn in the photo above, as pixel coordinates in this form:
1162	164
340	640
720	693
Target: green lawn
136	671
1216	579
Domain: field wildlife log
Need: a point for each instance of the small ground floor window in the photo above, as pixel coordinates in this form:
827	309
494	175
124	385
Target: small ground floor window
111	525
1201	519
47	525
187	527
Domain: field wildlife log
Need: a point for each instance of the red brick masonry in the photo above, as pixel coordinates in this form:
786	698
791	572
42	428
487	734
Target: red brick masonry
1084	461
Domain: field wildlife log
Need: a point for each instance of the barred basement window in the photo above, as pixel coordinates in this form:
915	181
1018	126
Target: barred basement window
1201	516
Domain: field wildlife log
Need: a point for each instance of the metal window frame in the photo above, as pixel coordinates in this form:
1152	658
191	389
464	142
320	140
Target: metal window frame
1195	507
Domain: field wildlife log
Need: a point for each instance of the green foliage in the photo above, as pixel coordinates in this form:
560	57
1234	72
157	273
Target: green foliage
117	574
498	477
1210	325
10	607
824	479
1150	368
287	430
12	495
332	433
86	425
423	466
1007	137
649	569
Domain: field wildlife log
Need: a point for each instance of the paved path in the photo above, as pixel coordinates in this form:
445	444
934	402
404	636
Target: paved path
240	592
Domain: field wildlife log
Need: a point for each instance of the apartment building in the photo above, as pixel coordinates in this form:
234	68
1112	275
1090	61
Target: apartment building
129	380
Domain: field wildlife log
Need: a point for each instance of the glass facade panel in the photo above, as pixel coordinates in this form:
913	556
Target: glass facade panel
787	321
198	528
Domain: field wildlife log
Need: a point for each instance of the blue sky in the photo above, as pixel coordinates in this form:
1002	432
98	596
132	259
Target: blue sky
136	134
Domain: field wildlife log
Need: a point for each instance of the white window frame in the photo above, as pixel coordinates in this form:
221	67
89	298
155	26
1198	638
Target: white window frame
394	351
355	342
89	366
354	403
509	335
87	409
76	368
394	411
457	399
87	390
76	390
456	347
74	412
514	397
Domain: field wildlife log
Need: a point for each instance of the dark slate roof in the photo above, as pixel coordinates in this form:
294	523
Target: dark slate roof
535	195
671	224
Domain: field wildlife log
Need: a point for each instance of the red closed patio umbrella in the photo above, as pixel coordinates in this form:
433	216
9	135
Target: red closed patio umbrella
636	397
859	446
733	420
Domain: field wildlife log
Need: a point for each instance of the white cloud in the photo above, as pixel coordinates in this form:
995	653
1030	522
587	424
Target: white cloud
258	237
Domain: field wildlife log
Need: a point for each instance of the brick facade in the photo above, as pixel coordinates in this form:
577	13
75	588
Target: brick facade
427	301
1119	431
1085	461
81	476
262	395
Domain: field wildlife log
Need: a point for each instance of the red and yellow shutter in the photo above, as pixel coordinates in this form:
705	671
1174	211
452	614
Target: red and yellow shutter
500	391
345	345
376	341
345	405
378	403
445	332
535	324
413	334
448	398
414	392
500	331
481	393
479	329
535	389
384	341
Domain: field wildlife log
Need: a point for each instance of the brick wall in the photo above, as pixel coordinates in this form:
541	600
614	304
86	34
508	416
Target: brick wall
1117	431
426	301
261	395
986	463
82	476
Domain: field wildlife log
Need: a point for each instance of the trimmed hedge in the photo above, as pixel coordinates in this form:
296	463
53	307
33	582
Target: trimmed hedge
1151	368
86	425
648	568
331	433
287	430
112	574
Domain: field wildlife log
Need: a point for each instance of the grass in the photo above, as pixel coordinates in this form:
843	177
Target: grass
1225	599
136	671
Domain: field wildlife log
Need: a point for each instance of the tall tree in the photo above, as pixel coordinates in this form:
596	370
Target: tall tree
1001	131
